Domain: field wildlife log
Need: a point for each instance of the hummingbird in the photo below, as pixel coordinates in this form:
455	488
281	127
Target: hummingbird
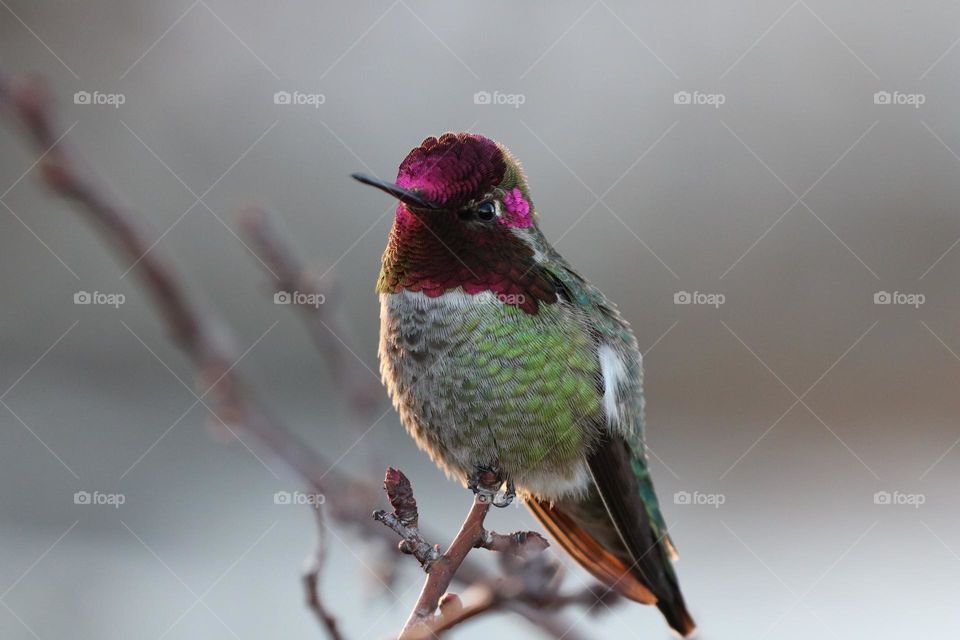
498	354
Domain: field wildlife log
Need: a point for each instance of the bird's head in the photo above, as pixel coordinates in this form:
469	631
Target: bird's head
464	176
464	219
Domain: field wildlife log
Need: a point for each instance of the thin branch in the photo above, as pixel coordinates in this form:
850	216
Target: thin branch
535	600
528	588
311	580
440	573
200	334
293	283
404	521
521	543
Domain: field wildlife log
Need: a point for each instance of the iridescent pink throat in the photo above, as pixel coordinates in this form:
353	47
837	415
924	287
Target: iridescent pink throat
436	252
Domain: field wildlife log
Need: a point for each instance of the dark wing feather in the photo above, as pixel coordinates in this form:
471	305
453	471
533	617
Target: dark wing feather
649	555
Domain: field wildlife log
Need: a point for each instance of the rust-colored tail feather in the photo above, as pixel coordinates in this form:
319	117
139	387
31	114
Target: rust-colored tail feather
602	564
606	567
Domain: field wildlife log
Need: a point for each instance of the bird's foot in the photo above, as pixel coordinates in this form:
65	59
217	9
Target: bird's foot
486	484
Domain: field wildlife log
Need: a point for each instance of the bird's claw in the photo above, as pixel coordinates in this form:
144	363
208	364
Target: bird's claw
485	482
504	498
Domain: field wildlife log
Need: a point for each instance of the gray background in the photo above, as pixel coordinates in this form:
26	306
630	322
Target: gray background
692	198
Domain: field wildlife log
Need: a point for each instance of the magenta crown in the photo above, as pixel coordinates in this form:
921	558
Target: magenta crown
453	169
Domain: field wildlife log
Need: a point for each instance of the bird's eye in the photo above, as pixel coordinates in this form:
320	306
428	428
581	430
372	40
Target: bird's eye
487	210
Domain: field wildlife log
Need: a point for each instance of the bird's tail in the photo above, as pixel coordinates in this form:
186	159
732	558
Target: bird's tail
676	614
587	550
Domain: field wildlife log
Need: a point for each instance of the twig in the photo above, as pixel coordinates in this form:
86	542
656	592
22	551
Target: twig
548	622
521	543
291	278
404	521
200	334
311	580
291	281
441	572
528	589
538	603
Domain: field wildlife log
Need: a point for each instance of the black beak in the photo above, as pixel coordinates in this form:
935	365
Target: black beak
405	196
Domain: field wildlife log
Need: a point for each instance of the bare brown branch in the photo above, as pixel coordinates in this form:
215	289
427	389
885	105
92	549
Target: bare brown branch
520	543
529	587
440	573
290	276
200	334
404	520
311	580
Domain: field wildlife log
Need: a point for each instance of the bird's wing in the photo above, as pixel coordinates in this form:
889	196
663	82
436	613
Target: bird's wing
611	535
611	466
623	397
621	513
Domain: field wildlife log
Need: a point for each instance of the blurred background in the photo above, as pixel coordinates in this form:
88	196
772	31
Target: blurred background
789	170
